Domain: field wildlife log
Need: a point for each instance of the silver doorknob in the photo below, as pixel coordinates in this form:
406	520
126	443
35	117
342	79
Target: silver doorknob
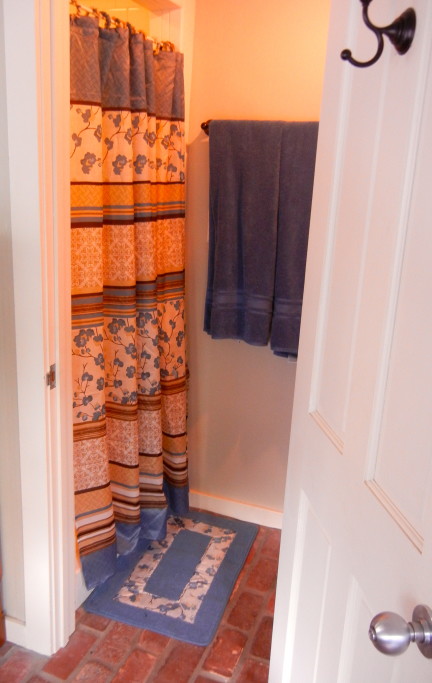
391	634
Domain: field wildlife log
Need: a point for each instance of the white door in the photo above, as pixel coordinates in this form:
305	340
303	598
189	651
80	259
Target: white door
357	532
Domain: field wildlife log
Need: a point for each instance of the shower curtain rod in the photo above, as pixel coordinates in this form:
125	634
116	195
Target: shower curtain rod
164	45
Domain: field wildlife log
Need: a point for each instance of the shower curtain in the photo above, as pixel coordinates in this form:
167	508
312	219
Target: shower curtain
129	365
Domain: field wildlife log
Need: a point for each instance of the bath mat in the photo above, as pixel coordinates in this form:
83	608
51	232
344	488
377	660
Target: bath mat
178	586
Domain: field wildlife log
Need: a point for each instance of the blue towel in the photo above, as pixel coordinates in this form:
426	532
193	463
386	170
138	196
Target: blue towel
249	209
244	190
295	198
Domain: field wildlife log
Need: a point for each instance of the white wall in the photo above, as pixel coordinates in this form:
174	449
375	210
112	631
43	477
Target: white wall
251	60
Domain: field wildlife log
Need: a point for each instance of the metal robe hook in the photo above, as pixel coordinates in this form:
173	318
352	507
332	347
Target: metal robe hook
400	33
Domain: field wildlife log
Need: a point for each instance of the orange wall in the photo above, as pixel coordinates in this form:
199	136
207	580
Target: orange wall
255	60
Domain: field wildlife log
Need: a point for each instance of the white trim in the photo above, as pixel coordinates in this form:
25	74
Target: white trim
26	227
15	631
81	591
37	108
62	473
234	508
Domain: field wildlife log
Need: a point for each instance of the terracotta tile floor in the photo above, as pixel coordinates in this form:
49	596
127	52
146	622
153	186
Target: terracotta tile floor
105	651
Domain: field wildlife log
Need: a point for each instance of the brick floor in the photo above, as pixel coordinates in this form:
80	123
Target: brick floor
262	641
137	667
66	660
104	651
246	610
225	652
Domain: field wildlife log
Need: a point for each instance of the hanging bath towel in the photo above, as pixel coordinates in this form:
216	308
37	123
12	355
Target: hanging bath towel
244	198
258	230
295	198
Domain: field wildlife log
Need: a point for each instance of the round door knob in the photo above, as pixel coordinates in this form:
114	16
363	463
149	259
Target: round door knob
391	634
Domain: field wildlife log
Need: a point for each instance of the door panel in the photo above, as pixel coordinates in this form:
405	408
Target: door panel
313	550
406	426
355	538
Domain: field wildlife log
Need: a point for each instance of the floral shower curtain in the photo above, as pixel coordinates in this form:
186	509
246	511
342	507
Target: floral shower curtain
129	366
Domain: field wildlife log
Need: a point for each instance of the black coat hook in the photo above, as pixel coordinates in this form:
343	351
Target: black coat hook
400	33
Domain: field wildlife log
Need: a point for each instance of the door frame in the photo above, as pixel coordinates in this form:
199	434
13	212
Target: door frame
36	93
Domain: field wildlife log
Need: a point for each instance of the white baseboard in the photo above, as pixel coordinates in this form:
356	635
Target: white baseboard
233	508
221	506
16	631
81	592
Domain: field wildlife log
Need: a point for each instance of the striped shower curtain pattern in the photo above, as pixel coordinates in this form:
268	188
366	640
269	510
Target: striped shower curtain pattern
128	338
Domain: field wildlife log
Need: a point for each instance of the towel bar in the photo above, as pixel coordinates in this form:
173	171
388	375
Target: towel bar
205	126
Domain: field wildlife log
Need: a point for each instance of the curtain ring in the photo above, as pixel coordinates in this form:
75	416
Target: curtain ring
107	18
166	46
96	13
80	12
118	22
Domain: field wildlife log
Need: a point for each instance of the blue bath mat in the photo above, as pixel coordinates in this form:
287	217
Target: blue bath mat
179	586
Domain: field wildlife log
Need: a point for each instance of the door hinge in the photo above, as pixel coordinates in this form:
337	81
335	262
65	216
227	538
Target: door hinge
50	377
